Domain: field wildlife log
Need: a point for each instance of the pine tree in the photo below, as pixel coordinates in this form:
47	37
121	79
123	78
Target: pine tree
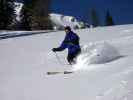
94	18
7	14
108	19
25	19
38	11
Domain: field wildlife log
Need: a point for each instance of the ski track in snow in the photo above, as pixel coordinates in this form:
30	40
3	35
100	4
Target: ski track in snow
25	60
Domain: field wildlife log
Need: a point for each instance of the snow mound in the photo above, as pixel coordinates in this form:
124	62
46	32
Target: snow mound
96	53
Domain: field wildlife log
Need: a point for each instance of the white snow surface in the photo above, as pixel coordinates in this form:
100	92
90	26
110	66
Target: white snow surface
104	70
96	53
10	34
60	21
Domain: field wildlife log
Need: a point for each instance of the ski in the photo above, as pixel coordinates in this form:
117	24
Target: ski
59	72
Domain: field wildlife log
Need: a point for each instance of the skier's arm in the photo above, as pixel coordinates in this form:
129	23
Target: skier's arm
62	46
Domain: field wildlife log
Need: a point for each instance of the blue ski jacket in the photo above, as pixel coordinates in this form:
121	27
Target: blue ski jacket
71	42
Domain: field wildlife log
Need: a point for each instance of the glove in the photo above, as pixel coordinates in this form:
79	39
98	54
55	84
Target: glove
54	49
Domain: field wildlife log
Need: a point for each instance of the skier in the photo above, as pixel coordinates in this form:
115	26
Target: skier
71	42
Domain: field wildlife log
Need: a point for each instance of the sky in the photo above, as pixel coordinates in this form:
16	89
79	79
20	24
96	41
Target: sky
121	10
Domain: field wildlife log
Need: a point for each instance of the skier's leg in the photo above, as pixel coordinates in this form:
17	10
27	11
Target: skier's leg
79	51
75	55
70	58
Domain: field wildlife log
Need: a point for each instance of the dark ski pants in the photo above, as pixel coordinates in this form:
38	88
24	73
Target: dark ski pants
70	57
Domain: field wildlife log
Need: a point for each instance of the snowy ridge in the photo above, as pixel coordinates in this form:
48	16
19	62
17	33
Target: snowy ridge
60	21
25	60
12	34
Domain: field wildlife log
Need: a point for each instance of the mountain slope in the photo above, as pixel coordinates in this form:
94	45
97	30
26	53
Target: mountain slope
25	60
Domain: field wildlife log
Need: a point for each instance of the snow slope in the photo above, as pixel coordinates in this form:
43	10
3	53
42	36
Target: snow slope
24	62
12	34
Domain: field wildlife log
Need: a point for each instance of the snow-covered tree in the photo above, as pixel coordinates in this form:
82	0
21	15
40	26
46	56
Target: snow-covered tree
25	19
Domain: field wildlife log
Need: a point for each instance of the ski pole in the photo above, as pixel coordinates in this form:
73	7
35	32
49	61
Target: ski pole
58	58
